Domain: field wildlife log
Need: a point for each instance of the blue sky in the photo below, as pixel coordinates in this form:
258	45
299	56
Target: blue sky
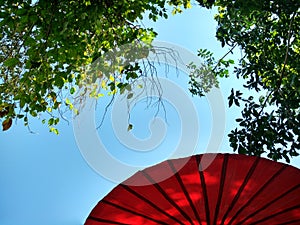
45	180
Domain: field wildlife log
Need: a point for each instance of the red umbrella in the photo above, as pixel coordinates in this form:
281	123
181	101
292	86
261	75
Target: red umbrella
233	189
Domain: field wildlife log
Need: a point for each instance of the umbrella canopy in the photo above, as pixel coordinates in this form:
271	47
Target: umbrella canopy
233	189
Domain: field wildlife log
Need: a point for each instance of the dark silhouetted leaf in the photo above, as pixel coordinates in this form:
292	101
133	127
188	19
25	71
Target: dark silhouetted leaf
129	128
6	124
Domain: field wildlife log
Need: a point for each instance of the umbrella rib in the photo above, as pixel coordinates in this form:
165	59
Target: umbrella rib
166	196
105	221
127	188
221	187
257	193
204	190
236	197
270	203
291	222
185	191
276	214
131	211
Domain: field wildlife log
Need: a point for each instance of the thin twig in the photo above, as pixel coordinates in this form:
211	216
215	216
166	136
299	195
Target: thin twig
230	51
286	52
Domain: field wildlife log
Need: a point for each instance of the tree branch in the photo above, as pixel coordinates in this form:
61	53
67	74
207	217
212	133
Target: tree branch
230	51
284	64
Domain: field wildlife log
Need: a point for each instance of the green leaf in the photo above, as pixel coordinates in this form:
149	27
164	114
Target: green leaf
54	130
72	90
68	102
51	121
33	113
130	95
11	62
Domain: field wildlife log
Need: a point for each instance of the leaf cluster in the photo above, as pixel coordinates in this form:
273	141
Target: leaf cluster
204	77
46	46
268	34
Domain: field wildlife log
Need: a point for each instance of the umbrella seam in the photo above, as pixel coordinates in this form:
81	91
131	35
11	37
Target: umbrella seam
203	185
236	197
276	214
131	211
290	222
270	203
221	187
105	221
176	173
127	188
159	188
256	194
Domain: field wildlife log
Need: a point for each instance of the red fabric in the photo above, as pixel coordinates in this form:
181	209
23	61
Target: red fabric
234	189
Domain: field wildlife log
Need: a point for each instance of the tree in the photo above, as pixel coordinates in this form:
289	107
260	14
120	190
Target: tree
45	46
268	34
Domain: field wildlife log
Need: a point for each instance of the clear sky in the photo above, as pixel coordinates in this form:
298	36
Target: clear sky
45	180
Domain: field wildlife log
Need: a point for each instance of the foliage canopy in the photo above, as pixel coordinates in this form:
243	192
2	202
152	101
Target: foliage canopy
45	46
268	33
